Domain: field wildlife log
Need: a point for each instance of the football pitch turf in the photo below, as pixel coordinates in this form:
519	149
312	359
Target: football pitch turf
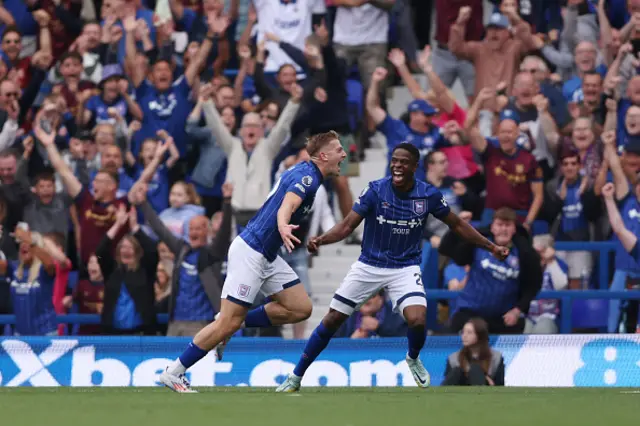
319	406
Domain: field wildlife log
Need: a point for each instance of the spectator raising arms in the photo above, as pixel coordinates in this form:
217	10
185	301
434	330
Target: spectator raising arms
97	212
499	292
129	301
32	277
196	284
251	158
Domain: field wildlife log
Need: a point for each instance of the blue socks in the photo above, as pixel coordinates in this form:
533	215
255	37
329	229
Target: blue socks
257	318
317	342
416	337
191	355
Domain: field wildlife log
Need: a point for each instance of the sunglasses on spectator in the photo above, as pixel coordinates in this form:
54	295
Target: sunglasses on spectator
270	117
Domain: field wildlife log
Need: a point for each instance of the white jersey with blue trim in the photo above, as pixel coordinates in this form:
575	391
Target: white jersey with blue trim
261	233
394	222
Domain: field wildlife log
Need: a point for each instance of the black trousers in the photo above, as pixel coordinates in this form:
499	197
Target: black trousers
496	324
475	377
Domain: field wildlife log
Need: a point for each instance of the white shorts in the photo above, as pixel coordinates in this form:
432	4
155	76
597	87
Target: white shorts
403	286
248	272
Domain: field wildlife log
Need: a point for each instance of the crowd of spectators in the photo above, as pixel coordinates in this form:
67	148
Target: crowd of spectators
137	137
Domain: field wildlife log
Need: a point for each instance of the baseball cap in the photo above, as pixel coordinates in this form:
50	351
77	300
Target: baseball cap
498	20
423	106
110	71
509	114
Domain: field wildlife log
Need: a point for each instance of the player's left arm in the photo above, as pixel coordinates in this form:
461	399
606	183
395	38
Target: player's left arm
467	232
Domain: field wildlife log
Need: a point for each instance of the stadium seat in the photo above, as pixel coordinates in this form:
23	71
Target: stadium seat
592	313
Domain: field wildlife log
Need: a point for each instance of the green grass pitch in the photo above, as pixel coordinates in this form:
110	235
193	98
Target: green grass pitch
325	407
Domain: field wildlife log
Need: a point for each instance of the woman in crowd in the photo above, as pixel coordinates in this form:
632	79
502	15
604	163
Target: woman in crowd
32	277
129	302
476	364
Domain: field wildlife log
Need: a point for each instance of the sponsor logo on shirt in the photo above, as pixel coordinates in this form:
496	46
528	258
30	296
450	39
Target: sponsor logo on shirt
410	223
501	272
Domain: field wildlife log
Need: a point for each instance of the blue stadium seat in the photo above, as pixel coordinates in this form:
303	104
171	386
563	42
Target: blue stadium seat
592	313
355	103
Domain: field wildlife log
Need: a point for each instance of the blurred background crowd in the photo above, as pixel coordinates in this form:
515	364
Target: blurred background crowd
137	137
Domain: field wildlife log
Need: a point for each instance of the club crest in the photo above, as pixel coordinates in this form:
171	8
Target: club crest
419	206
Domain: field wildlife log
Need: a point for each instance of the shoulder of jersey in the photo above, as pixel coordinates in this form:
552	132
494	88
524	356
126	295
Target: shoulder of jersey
424	186
379	182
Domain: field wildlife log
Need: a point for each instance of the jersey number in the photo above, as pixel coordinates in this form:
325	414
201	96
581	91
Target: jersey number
418	278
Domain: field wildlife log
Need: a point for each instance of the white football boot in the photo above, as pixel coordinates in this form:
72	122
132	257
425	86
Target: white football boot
290	385
177	383
420	374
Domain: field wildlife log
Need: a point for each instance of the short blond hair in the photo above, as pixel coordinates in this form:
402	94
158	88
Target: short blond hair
316	142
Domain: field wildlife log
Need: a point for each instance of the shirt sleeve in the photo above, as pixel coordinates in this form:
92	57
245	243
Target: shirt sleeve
141	90
182	87
302	186
366	202
535	172
82	198
393	130
438	205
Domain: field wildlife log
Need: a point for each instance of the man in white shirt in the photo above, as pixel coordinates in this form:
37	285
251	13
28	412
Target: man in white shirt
291	21
361	34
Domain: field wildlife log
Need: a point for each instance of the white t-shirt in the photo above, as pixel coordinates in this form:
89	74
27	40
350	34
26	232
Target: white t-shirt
361	25
290	21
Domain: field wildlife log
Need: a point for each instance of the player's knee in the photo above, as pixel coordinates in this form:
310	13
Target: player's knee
415	316
230	323
303	310
334	319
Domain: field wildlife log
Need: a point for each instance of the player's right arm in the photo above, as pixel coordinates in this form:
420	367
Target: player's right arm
290	204
467	232
338	233
363	205
626	237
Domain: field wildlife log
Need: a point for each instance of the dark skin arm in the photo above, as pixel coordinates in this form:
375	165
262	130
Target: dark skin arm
338	233
469	233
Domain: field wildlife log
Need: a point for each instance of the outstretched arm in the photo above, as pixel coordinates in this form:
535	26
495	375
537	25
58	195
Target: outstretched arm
627	238
469	233
338	233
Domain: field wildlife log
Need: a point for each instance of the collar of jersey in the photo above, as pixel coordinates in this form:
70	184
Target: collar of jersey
403	194
317	169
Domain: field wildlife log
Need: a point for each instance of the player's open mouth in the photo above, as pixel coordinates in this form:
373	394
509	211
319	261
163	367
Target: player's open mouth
397	176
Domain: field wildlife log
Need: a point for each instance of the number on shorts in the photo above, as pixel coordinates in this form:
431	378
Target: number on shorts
418	277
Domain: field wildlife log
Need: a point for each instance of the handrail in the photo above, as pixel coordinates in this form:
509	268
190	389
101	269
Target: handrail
565	296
